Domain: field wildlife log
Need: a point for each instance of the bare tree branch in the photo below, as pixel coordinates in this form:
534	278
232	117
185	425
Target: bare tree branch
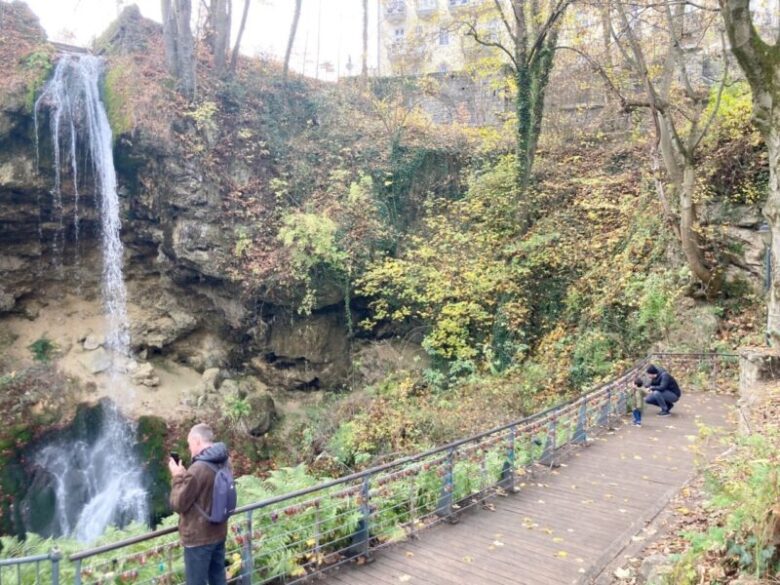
472	32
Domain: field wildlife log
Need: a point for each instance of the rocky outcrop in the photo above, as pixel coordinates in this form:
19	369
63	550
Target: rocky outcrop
186	174
745	248
304	354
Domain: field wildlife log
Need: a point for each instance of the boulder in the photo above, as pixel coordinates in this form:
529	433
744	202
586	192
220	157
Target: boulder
92	342
655	568
202	350
262	412
96	361
211	379
161	324
697	325
39	506
228	388
145	376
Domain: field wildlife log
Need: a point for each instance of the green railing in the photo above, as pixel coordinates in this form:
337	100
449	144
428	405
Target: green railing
291	537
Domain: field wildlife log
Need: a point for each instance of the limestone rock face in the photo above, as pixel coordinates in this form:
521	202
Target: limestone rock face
185	302
744	247
305	354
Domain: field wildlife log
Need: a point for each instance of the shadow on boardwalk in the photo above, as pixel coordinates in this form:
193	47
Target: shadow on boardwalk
564	525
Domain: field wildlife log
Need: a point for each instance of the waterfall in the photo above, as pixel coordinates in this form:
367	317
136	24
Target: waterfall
100	482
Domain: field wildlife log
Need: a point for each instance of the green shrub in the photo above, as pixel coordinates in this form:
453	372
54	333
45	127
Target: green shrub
742	493
42	349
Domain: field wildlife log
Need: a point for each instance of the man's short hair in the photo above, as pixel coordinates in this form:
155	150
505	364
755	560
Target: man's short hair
204	432
651	369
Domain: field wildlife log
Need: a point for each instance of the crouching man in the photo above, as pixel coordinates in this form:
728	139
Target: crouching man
663	390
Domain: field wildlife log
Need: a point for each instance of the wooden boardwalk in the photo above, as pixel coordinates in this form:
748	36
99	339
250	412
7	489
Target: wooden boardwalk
565	525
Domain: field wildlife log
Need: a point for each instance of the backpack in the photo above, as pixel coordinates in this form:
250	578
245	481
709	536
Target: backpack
223	497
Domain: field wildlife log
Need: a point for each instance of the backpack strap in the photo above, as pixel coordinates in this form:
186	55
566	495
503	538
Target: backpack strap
215	468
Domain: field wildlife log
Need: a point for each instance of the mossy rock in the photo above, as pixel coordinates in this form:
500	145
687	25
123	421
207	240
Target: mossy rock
150	448
88	422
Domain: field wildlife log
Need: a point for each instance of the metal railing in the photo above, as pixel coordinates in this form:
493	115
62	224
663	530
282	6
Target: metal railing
35	568
293	536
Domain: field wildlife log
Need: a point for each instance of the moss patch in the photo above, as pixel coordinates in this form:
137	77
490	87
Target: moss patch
115	99
151	434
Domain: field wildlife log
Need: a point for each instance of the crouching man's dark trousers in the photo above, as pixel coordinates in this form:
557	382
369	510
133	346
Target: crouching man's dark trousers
665	399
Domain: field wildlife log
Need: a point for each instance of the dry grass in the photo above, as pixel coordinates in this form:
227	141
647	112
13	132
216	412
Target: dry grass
24	53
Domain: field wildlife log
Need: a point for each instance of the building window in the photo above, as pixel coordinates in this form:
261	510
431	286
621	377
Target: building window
458	2
443	67
493	32
444	36
398	35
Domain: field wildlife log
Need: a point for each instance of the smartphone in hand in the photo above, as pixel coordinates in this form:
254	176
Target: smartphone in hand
175	457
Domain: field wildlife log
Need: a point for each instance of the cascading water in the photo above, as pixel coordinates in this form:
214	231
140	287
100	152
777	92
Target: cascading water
100	482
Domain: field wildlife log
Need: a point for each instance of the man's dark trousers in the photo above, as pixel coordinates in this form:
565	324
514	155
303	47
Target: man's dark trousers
665	399
205	564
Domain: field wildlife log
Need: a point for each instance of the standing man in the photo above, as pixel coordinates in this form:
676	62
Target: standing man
191	497
663	390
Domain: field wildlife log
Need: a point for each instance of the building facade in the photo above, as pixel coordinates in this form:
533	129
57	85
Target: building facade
427	36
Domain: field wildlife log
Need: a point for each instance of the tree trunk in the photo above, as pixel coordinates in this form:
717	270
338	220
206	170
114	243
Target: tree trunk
291	40
220	15
185	49
179	45
689	237
761	63
364	68
772	214
234	58
170	36
523	111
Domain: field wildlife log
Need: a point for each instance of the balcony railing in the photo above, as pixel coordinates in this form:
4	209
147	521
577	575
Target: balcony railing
395	10
427	8
457	4
396	49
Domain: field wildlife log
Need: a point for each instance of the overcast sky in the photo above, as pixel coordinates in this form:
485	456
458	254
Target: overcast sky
337	23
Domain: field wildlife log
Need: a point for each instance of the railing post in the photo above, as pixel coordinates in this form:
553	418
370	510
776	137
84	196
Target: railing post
603	420
444	507
55	557
77	576
622	402
317	533
413	504
366	509
360	539
581	433
508	470
247	552
548	455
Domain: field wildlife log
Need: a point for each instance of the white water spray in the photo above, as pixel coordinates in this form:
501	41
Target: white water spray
102	483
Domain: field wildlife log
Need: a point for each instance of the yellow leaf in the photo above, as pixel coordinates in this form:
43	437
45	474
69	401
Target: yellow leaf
562	554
